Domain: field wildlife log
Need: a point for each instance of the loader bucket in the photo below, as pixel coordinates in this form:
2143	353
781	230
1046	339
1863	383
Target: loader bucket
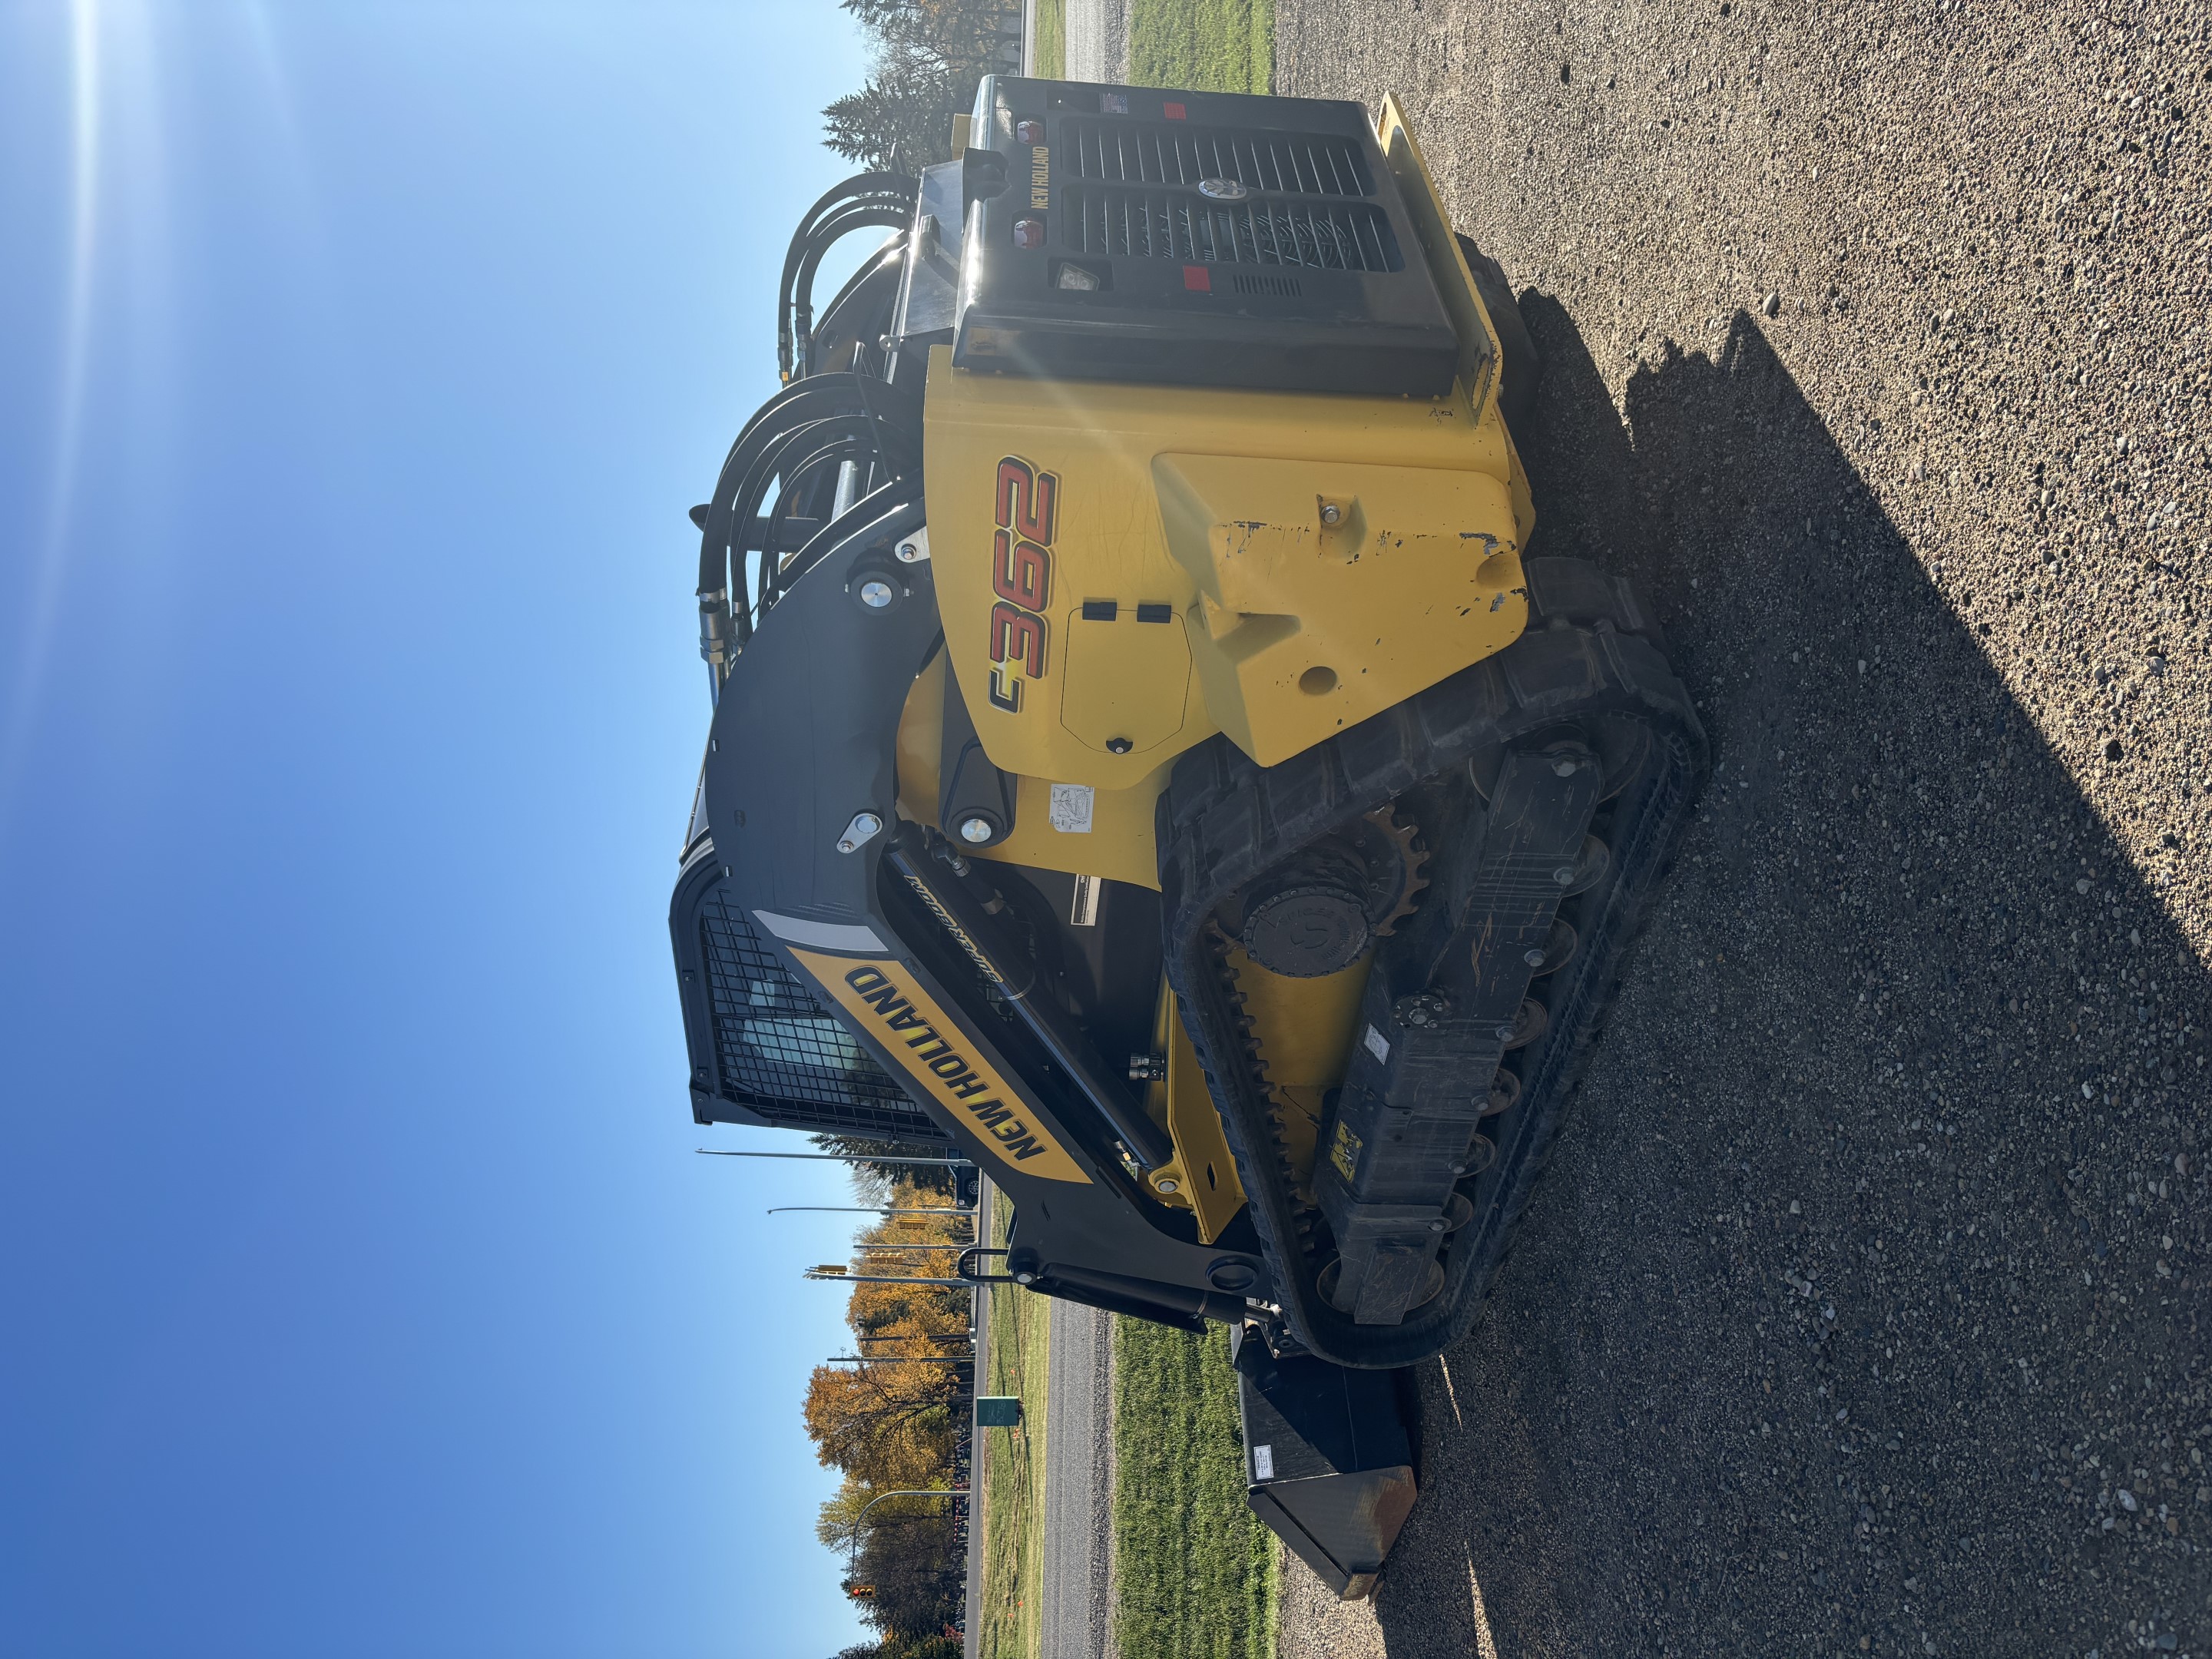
1327	1460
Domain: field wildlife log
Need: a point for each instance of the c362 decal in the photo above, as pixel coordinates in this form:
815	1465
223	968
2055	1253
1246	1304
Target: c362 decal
926	1045
1021	576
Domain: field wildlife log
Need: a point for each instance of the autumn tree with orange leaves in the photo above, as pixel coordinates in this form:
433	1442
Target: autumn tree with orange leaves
893	1424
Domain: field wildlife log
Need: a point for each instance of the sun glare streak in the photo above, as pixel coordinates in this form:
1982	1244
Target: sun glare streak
47	569
290	151
1485	1644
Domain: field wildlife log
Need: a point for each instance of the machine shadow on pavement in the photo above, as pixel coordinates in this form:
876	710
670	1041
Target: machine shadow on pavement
1853	1300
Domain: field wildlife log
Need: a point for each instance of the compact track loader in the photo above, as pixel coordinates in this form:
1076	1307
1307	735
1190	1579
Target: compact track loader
1145	756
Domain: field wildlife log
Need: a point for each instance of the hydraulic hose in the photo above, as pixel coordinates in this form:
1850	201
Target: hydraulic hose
867	199
836	228
799	436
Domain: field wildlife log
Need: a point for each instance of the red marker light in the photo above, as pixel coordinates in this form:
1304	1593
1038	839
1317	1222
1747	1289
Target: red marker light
1029	232
1029	132
1173	112
1198	279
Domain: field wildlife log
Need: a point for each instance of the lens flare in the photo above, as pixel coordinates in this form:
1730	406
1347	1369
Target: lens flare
68	413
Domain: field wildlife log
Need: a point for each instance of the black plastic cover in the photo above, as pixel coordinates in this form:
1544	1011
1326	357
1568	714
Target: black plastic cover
1195	239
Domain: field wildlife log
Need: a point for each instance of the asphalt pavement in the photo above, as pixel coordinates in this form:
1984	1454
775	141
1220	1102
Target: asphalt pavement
1097	34
1076	1575
1862	1309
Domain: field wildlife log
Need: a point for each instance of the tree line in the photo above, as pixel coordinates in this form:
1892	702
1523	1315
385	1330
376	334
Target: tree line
900	1422
927	57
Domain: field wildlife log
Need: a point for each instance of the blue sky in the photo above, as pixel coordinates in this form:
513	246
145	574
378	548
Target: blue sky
358	361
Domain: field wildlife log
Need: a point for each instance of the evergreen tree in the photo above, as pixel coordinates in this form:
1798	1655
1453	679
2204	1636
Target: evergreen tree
928	54
897	123
874	1183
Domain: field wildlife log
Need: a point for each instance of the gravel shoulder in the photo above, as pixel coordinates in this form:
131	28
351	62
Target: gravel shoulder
1077	1583
1863	1307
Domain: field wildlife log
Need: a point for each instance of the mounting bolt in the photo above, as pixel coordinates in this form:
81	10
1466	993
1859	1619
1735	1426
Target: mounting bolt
976	829
1119	745
1422	1009
1024	1279
1564	768
1331	512
1564	875
1167	1184
1534	958
1437	1226
1506	1034
876	593
864	829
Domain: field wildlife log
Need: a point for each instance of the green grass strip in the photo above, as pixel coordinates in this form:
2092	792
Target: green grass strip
1011	1615
1217	45
1051	63
1194	1573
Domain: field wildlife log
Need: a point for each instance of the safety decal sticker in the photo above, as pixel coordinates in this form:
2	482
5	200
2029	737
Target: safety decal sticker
1070	810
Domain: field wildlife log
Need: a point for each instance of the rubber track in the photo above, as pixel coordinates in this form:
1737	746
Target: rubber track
1590	648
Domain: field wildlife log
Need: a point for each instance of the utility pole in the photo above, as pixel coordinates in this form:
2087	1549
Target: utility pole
926	1336
857	1209
900	1359
835	1272
840	1158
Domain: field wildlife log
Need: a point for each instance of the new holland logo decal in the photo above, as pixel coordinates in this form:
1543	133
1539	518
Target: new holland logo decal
928	1047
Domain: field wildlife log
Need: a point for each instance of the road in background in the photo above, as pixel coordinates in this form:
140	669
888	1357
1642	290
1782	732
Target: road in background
1098	39
1078	1485
1861	1309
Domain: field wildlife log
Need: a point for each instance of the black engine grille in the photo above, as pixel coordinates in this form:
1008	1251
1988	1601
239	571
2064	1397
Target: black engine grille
1160	224
1173	153
779	1054
1200	239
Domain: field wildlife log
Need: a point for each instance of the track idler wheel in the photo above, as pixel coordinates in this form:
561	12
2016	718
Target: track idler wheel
1504	1093
1588	870
1529	1023
1558	951
1330	1279
1621	746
